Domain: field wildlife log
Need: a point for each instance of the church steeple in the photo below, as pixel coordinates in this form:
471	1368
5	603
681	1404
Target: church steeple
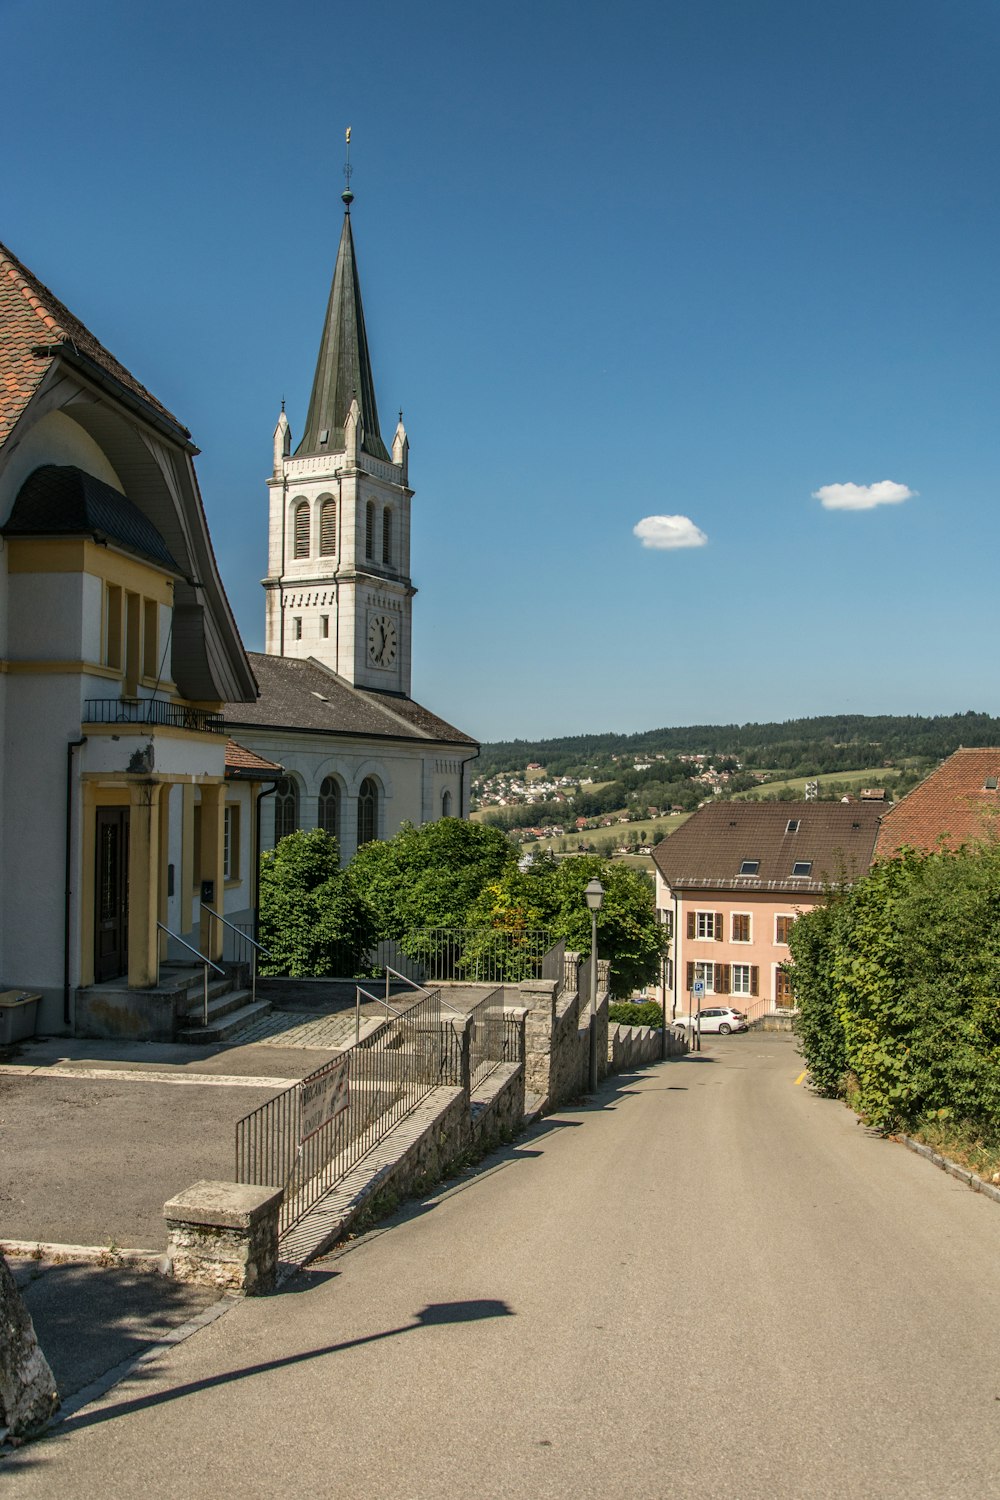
343	369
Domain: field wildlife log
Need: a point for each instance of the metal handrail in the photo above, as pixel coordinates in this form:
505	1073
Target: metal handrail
413	985
206	962
257	947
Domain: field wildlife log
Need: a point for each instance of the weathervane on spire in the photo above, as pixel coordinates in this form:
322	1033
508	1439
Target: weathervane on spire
347	195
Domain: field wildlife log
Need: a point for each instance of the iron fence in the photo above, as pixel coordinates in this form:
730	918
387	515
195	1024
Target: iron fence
389	1072
486	1037
481	955
155	711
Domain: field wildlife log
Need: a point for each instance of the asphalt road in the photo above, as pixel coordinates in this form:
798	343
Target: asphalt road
707	1284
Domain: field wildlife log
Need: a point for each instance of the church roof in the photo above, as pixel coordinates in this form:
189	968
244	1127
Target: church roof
34	327
343	369
61	500
301	694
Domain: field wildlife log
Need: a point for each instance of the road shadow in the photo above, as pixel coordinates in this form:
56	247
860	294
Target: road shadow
91	1318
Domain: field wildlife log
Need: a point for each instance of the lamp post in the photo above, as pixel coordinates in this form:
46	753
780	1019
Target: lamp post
594	893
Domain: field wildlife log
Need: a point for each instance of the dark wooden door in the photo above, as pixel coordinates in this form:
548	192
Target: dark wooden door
111	915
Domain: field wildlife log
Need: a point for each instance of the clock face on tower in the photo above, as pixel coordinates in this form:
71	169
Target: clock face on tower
381	640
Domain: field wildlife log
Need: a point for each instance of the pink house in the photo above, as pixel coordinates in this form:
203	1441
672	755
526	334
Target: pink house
732	880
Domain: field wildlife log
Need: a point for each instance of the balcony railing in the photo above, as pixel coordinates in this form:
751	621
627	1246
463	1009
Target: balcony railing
154	711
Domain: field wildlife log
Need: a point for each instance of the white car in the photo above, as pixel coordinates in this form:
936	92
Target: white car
720	1018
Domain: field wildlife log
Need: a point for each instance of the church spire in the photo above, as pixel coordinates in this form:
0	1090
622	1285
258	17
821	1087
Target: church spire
343	369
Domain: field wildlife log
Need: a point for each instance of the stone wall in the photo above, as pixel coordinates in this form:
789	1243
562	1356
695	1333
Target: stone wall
637	1046
557	1034
497	1107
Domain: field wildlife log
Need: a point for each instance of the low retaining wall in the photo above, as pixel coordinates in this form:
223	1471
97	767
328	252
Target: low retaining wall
637	1046
497	1107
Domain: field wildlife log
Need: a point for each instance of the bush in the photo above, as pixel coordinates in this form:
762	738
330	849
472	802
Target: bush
312	920
636	1013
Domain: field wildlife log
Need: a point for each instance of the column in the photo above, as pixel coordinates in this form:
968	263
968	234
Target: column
143	883
213	808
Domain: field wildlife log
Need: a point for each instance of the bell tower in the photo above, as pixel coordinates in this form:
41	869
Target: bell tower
338	574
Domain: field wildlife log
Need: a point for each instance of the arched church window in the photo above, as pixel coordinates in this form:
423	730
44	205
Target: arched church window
446	804
367	812
286	809
369	530
301	526
329	807
328	528
387	535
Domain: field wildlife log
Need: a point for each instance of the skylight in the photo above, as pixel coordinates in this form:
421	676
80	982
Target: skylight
802	867
991	784
792	826
750	867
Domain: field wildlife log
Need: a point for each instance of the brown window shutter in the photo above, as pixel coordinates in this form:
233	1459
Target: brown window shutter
690	983
722	979
720	931
754	984
691	922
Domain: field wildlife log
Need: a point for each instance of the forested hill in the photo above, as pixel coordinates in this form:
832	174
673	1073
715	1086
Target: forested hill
830	743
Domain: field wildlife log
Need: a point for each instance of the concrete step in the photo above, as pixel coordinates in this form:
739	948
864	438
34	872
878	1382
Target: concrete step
222	1004
222	1028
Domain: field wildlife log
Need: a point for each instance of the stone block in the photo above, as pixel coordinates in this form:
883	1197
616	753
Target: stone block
225	1234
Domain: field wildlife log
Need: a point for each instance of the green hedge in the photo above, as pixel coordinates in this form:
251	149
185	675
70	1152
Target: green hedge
635	1013
898	986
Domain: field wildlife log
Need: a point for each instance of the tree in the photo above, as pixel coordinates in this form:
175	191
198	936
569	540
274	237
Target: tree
313	922
429	876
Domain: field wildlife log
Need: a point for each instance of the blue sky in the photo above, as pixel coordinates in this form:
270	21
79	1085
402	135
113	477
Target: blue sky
702	260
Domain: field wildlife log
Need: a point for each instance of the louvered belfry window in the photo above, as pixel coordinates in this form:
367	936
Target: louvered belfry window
302	530
328	528
387	535
369	530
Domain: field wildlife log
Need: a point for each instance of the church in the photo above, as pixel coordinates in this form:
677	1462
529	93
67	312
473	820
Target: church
148	759
360	756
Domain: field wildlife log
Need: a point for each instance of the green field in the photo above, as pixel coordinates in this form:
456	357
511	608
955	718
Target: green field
797	784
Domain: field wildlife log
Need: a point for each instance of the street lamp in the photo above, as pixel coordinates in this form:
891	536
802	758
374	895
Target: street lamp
594	893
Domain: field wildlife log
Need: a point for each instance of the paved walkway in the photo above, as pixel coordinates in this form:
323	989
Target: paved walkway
709	1285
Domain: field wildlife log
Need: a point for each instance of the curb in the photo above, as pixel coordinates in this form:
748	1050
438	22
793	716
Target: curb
977	1184
99	1255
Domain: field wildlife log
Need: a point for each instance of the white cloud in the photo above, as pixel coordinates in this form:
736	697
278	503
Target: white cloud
667	532
862	496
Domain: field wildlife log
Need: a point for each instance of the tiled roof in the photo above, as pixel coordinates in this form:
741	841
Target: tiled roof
950	807
301	694
833	838
61	500
247	765
31	317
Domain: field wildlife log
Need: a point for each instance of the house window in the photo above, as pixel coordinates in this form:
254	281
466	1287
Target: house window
745	979
703	971
741	927
150	638
113	626
802	867
133	643
387	535
783	988
231	842
750	867
705	924
446	804
782	927
328	528
329	807
667	922
302	529
367	812
324	627
369	530
286	809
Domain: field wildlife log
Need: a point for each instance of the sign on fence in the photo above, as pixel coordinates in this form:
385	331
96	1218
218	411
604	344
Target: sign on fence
322	1097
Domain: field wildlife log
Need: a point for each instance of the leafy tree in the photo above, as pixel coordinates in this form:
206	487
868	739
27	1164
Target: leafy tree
312	920
429	876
